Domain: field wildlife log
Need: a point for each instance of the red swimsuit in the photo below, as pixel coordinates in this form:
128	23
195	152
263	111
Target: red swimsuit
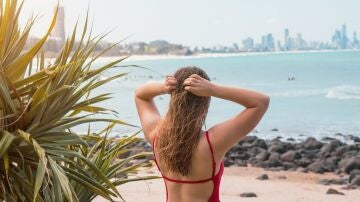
215	178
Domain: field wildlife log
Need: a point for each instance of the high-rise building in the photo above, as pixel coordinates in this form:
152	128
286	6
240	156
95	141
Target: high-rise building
270	42
59	30
248	44
355	42
336	39
286	39
300	43
343	37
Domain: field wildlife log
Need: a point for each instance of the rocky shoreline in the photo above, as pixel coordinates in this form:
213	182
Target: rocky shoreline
311	155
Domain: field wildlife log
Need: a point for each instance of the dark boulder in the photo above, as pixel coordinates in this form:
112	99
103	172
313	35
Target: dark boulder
317	167
248	194
355	181
248	139
290	156
303	162
262	156
353	174
260	143
290	139
289	165
279	148
340	181
241	163
327	139
333	191
312	143
263	177
349	164
274	160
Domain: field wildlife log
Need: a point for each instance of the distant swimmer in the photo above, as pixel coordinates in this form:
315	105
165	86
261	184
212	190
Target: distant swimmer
291	78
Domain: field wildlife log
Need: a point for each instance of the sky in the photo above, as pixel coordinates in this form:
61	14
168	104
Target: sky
203	22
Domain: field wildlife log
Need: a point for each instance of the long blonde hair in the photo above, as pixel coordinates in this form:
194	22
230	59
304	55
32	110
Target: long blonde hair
179	133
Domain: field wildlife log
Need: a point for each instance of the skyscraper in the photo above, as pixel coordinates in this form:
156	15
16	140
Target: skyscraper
286	39
248	44
336	39
270	42
343	37
355	42
59	29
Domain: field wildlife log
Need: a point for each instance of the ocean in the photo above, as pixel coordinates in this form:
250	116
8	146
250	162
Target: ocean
312	93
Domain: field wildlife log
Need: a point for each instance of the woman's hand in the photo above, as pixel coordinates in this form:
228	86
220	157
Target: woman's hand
170	84
198	85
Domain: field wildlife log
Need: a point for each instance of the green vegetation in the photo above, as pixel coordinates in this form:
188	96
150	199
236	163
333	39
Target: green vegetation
41	158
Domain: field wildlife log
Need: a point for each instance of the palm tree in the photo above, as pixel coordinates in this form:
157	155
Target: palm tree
41	157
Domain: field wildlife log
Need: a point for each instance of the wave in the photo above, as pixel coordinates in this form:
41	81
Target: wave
343	92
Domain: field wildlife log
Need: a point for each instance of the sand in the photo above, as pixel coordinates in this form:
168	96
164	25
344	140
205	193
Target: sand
236	180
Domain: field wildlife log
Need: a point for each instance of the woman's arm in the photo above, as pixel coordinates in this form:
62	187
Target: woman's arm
147	111
224	135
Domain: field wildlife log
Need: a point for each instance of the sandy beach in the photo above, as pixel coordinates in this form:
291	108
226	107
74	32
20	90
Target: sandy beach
296	187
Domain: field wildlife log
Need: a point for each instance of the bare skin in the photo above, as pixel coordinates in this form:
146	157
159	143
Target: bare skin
223	135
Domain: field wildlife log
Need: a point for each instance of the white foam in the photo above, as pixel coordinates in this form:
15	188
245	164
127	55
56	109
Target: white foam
343	92
300	93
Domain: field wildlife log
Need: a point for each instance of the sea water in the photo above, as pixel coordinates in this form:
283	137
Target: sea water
312	93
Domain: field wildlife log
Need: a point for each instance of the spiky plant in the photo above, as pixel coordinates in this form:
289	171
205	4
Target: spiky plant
41	158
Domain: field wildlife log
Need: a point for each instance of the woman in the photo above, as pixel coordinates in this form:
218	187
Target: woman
191	160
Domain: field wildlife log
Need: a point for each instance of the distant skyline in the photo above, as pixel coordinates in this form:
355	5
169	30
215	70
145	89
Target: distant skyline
204	22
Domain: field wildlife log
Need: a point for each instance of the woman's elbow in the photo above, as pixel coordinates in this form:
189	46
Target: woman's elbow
265	101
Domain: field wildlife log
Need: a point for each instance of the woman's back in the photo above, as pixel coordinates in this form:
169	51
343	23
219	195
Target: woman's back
186	154
203	181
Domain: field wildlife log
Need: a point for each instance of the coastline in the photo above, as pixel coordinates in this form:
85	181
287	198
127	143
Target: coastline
214	55
246	180
281	186
133	58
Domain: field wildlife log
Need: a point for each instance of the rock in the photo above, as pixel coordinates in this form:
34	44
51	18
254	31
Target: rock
312	143
274	130
263	177
263	156
281	177
290	139
328	139
277	147
249	139
347	165
260	143
353	174
304	162
248	194
274	160
276	169
288	165
324	182
241	163
303	170
353	138
228	162
355	181
333	191
243	156
316	167
339	134
290	156
349	187
340	181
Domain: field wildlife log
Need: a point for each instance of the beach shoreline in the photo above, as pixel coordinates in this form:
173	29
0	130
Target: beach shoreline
281	186
132	58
